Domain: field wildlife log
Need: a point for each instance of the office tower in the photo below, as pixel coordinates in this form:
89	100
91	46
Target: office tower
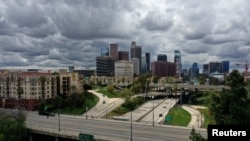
86	72
143	65
225	66
215	67
136	66
105	66
147	61
113	51
162	57
124	69
185	73
136	52
104	51
194	72
133	44
205	69
163	69
177	61
123	55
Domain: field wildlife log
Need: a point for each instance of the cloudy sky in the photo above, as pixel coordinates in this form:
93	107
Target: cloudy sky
59	33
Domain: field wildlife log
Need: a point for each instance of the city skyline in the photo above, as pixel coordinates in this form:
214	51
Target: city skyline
58	34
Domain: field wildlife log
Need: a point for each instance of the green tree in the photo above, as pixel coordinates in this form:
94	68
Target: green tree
231	106
123	79
12	127
57	100
175	89
110	89
136	87
126	92
43	80
132	103
202	79
73	89
213	81
155	79
196	136
19	92
168	80
87	87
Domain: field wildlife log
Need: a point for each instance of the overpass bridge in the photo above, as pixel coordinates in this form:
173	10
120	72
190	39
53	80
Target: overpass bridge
105	129
189	87
167	89
67	134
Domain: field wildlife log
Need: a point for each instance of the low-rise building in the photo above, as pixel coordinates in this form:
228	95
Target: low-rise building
25	89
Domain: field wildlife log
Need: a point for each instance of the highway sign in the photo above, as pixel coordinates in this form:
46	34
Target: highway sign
168	118
86	137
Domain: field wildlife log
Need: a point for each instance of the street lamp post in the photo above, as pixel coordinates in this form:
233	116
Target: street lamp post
145	91
59	118
86	112
153	114
131	136
106	113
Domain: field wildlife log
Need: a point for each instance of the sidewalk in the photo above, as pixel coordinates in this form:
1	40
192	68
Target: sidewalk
196	117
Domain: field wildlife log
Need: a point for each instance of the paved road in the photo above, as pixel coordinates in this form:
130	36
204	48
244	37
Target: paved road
145	113
162	108
110	129
104	105
151	110
196	117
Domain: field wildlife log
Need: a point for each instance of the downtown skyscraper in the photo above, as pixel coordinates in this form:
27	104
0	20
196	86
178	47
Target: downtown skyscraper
147	54
136	52
177	61
113	51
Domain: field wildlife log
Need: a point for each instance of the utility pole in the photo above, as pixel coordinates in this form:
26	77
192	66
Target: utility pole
59	118
153	113
106	113
86	112
131	134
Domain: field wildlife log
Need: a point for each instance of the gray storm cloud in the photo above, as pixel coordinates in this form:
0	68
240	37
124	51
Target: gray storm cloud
46	33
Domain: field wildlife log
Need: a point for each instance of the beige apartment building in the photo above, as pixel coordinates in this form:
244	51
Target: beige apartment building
70	82
24	89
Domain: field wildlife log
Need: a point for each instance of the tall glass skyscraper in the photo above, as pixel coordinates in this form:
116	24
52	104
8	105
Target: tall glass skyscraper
177	61
148	61
143	64
162	57
225	66
105	66
104	51
194	72
136	52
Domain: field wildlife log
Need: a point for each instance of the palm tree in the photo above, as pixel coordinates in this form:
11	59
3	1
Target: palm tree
123	80
43	80
19	93
73	89
175	89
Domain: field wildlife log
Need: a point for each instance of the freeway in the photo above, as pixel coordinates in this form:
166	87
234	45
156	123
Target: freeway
152	110
104	105
161	108
111	129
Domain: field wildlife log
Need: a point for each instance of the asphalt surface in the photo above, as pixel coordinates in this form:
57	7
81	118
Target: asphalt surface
104	105
109	129
152	112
